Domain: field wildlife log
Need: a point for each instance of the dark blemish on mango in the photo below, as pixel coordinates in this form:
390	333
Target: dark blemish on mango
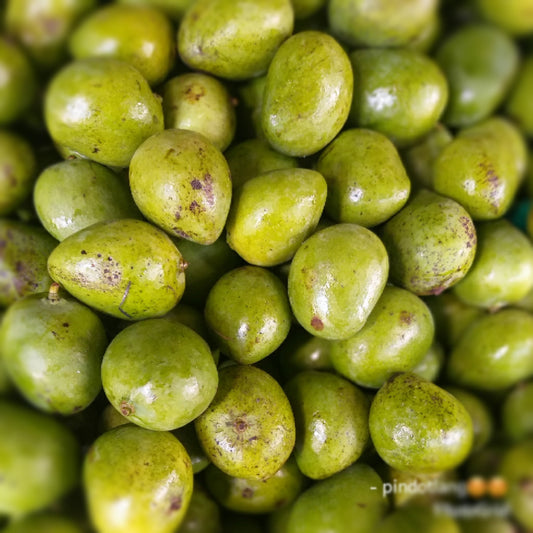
247	493
196	184
126	408
175	504
317	324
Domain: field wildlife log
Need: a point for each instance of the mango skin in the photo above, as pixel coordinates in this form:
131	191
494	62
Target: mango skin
172	8
399	93
252	495
101	109
248	430
418	427
395	338
273	213
258	27
203	514
141	36
147	474
24	250
126	268
367	182
335	280
74	194
181	183
159	374
52	348
431	243
414	518
517	409
43	523
518	105
39	460
248	313
339	502
331	417
308	94
494	352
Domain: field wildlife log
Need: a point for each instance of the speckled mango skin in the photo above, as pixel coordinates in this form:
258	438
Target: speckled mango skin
181	182
307	95
201	103
336	278
431	243
256	495
24	250
137	481
74	194
273	213
331	417
399	93
17	171
482	168
233	39
159	374
367	182
126	268
480	62
39	460
141	36
248	311
340	502
382	23
101	109
248	430
494	352
417	426
502	272
395	338
52	348
18	83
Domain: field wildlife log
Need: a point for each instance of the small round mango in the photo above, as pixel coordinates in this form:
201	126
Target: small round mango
517	412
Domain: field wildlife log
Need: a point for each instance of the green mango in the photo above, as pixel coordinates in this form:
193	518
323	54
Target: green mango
367	182
255	495
482	168
382	23
331	417
203	514
159	374
482	420
181	182
502	272
494	352
137	481
307	95
43	523
24	250
516	469
399	93
172	8
518	104
273	213
480	62
253	157
201	103
258	27
43	27
431	364
206	263
418	518
303	351
395	338
52	349
75	194
17	170
141	36
19	84
101	109
38	460
248	312
417	426
514	16
335	279
431	243
517	412
248	429
125	268
307	8
351	498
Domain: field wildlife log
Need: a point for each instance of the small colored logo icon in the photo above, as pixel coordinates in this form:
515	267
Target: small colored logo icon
495	487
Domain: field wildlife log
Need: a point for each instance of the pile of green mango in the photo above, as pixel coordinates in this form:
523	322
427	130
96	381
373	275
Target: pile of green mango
266	266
